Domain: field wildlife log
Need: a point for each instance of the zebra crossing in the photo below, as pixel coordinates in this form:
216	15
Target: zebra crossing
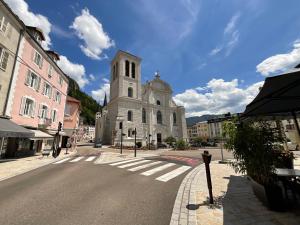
144	166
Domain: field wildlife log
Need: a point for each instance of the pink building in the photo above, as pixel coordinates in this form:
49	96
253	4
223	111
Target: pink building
39	88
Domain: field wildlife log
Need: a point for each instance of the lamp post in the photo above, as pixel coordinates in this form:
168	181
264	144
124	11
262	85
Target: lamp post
149	140
134	142
207	158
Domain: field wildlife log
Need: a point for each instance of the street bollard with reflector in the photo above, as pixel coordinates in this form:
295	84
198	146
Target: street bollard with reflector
207	158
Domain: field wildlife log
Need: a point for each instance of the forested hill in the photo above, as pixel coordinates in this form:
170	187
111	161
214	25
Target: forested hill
89	106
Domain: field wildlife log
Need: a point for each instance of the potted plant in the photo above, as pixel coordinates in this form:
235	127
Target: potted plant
256	148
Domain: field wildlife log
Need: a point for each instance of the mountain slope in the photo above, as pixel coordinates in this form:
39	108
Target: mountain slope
89	106
195	119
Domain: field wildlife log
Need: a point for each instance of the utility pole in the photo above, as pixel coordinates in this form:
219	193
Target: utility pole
149	140
121	127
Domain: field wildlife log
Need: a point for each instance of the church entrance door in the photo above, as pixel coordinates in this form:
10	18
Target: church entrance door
159	138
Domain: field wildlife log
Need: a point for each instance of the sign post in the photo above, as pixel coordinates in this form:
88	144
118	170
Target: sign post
134	142
207	158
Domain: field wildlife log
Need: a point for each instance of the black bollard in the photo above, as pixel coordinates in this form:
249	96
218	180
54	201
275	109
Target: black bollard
207	158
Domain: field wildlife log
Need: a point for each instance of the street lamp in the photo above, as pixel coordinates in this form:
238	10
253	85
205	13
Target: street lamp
134	132
120	120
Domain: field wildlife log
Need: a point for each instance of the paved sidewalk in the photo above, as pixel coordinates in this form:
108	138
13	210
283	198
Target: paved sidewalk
235	203
12	167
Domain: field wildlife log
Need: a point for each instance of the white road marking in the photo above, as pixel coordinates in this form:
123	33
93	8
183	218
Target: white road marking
124	161
91	158
77	159
168	176
61	161
134	163
144	166
157	169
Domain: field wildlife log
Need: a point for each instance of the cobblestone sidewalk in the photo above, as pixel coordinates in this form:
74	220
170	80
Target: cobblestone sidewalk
12	167
235	203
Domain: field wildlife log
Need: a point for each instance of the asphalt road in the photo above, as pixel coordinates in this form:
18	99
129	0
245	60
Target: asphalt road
84	193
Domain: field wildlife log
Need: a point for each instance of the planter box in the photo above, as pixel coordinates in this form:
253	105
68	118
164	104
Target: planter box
271	195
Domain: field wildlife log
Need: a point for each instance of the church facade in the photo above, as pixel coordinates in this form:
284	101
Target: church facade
147	108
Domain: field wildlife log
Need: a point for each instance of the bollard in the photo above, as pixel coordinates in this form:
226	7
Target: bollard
207	158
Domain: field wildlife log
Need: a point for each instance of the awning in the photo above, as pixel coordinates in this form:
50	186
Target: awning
10	129
279	95
40	135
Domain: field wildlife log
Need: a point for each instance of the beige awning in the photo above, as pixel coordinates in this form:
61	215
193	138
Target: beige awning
40	135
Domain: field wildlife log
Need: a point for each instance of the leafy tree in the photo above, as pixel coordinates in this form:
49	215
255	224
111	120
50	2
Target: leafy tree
181	144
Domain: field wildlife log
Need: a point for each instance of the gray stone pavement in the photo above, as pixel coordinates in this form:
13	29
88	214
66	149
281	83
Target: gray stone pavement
13	167
235	202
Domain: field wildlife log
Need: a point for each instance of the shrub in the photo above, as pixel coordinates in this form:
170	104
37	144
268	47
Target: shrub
170	140
181	144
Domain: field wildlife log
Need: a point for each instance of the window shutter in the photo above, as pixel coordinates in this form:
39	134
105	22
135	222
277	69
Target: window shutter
22	105
4	60
40	110
9	32
33	110
50	92
27	80
41	62
38	84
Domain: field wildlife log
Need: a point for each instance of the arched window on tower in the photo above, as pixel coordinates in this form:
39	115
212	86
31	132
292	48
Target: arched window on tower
130	92
117	69
127	68
174	118
157	102
133	70
129	116
144	116
114	72
159	117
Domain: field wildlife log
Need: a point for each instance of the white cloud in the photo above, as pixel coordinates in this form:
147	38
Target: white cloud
21	9
280	62
231	37
100	93
92	77
90	30
217	97
75	71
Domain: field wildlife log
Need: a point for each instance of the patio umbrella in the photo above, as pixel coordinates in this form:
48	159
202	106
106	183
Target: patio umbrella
279	96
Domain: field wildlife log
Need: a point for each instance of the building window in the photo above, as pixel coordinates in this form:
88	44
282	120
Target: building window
174	118
27	107
53	115
3	24
127	68
130	92
38	59
68	110
159	117
57	97
129	132
50	71
3	58
60	80
157	102
144	116
47	90
133	70
33	80
129	116
43	111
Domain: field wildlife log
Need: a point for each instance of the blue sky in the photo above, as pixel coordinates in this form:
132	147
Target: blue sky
214	53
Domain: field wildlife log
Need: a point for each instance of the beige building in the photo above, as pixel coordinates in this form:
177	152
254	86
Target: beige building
199	129
10	35
148	108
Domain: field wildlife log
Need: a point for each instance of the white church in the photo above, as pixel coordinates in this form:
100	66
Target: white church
148	108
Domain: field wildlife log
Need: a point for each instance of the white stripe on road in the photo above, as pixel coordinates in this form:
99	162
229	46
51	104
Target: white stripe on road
144	166
157	169
168	176
134	163
124	161
91	158
61	161
77	159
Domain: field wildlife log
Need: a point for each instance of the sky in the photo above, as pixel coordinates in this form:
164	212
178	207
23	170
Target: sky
215	54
